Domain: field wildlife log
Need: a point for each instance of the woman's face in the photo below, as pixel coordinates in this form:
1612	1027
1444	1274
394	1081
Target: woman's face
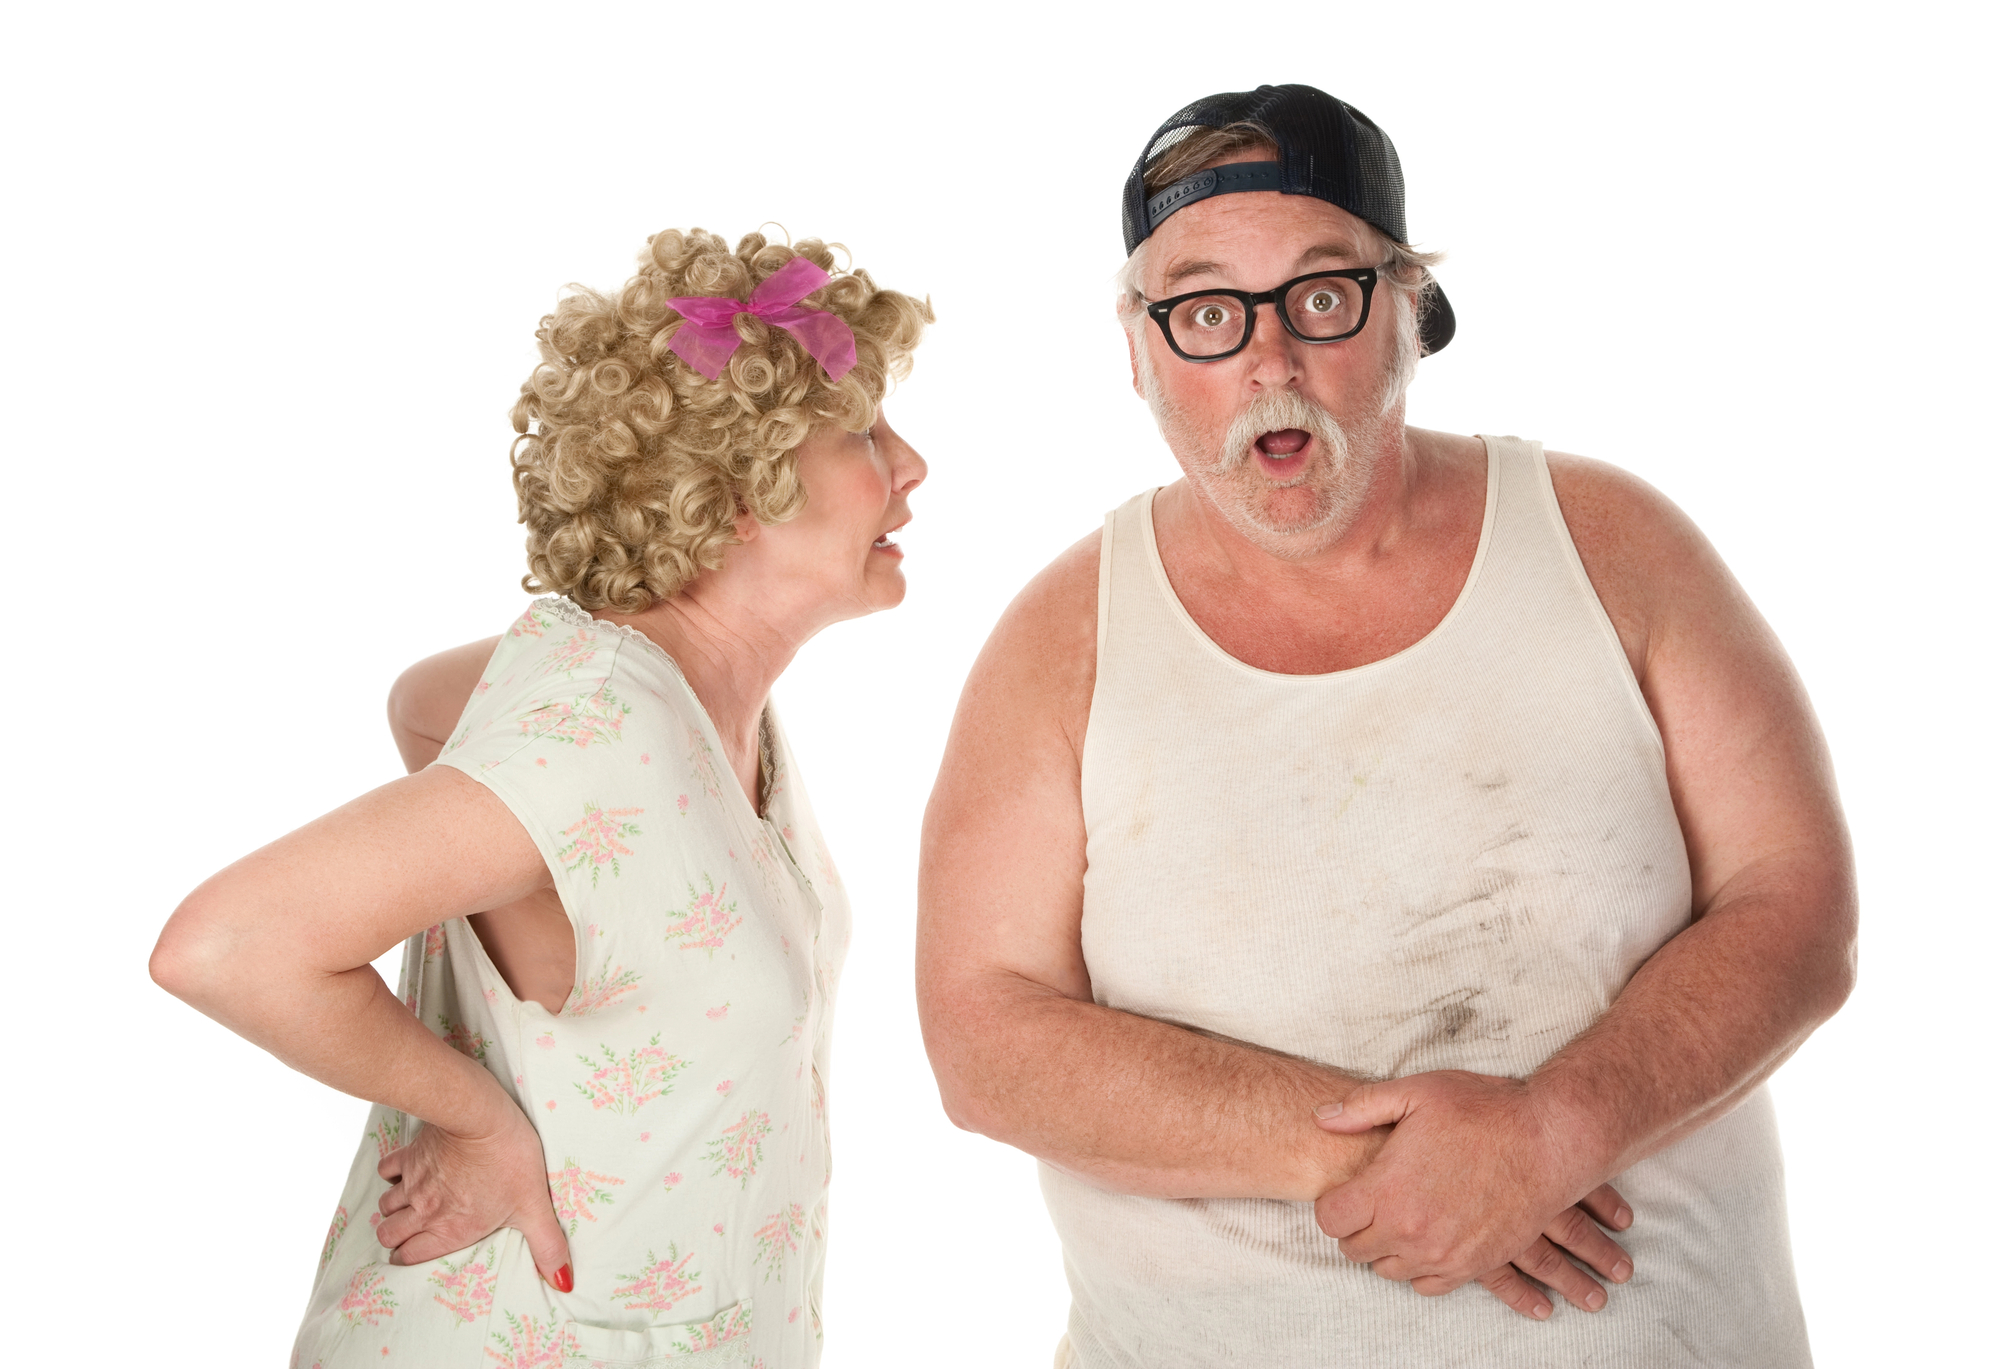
857	495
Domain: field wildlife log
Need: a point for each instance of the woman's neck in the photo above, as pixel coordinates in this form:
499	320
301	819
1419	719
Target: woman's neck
731	655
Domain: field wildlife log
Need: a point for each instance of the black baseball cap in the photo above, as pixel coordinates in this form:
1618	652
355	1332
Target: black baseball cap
1326	148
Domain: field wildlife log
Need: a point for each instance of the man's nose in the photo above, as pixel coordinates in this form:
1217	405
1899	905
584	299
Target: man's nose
1273	356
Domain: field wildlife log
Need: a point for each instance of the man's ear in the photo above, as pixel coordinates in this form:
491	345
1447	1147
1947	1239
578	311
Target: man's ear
1132	355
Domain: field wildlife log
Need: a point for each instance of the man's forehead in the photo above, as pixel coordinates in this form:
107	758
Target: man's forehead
1252	235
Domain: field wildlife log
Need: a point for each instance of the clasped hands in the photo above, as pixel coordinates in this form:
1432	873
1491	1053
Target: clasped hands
1472	1181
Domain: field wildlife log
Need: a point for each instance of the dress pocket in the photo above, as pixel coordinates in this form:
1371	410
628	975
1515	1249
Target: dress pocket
722	1340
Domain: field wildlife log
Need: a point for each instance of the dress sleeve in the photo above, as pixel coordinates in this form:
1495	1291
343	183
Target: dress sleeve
547	730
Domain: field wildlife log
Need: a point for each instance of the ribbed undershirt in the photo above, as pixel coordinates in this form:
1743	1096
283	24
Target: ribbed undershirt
1453	858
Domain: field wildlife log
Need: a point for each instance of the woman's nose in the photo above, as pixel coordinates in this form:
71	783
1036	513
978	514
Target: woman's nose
910	467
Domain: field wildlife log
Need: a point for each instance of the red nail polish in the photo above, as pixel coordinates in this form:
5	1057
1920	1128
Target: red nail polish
563	1281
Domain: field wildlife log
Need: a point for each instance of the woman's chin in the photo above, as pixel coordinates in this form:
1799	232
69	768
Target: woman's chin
886	587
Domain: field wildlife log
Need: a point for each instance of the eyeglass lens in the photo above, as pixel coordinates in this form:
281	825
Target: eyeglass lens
1318	307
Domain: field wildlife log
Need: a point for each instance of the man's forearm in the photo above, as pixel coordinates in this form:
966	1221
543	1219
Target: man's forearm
1136	1105
1706	1019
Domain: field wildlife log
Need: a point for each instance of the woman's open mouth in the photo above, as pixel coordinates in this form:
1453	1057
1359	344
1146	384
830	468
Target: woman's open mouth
887	541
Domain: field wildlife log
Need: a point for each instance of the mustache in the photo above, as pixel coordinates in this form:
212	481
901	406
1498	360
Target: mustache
1271	411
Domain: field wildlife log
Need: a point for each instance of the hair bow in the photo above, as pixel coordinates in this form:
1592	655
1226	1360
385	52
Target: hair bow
708	337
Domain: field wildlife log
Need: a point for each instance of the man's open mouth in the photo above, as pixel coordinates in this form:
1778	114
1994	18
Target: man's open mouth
1284	442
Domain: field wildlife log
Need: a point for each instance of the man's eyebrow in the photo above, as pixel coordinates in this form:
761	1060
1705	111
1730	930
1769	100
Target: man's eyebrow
1332	250
1319	251
1177	274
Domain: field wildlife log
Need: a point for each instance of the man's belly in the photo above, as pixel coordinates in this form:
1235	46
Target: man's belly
1174	1284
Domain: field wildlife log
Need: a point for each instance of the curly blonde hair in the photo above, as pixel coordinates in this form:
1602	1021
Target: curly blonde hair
631	466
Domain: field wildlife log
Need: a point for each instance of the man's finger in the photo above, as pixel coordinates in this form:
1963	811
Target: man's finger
1371	1246
1575	1232
1506	1284
549	1247
1544	1262
1345	1210
1368	1107
1608	1205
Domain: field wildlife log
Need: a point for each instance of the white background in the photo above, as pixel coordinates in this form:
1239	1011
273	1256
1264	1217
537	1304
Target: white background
271	278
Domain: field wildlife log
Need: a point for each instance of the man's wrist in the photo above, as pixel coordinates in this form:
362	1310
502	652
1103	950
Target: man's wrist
1335	1159
1577	1128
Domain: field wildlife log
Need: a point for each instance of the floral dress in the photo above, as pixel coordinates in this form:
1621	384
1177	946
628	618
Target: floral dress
680	1094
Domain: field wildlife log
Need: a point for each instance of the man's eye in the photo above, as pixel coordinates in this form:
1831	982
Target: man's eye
1322	301
1211	316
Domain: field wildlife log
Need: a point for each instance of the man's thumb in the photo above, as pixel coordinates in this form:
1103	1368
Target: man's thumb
1369	1106
551	1250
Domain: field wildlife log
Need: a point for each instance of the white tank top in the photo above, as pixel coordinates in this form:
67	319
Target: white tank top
1452	858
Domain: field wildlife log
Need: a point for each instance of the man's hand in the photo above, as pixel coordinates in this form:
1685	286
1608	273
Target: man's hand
1473	1182
1573	1235
447	1192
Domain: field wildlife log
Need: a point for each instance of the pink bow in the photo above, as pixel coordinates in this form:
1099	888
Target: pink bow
708	338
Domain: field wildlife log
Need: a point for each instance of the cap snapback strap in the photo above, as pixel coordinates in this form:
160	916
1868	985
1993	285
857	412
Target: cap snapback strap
1217	180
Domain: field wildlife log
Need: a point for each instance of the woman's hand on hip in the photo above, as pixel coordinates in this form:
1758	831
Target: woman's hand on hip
448	1191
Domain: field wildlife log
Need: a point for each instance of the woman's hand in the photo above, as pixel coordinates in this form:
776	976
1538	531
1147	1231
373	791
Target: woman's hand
448	1191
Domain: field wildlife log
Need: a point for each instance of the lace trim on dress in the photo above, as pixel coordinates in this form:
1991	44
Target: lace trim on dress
567	609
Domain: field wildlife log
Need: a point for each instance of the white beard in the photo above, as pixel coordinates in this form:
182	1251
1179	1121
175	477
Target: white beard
1336	476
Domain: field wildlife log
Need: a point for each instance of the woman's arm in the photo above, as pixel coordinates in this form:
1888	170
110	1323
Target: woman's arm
530	941
278	948
426	700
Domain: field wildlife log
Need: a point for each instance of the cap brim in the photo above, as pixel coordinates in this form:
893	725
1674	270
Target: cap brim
1440	323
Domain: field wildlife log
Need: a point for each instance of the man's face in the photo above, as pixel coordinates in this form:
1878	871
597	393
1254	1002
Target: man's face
1281	437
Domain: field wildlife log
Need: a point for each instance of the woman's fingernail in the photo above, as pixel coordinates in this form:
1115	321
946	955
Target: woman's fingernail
563	1282
1541	1311
1624	1218
1326	1110
1622	1270
1594	1299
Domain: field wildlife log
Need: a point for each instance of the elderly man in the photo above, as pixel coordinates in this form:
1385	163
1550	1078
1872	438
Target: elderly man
1377	836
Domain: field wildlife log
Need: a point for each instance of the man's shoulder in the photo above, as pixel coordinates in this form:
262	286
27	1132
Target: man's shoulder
1065	590
1643	555
1041	659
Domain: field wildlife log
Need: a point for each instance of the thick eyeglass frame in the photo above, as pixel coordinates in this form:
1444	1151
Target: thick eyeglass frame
1364	276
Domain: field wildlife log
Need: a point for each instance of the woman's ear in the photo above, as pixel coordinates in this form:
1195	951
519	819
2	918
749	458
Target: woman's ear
747	527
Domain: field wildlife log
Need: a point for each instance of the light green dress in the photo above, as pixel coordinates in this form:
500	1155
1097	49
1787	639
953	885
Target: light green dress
680	1094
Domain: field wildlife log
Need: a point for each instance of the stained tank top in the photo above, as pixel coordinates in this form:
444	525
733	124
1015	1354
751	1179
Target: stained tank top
1451	858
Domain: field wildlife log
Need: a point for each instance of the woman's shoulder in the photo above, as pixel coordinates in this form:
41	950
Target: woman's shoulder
562	682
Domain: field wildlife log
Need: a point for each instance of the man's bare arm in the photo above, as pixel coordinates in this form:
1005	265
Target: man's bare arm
1712	1013
1021	1052
1770	954
427	699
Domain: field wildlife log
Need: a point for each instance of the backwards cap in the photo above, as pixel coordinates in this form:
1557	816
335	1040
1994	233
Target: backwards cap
1326	149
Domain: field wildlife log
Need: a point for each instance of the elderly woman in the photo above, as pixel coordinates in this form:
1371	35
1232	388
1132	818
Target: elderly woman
605	1066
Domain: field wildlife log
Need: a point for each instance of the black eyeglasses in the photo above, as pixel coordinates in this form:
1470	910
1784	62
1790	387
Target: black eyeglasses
1209	325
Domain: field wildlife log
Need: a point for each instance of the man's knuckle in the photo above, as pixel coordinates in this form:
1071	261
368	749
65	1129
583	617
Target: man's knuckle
1543	1262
